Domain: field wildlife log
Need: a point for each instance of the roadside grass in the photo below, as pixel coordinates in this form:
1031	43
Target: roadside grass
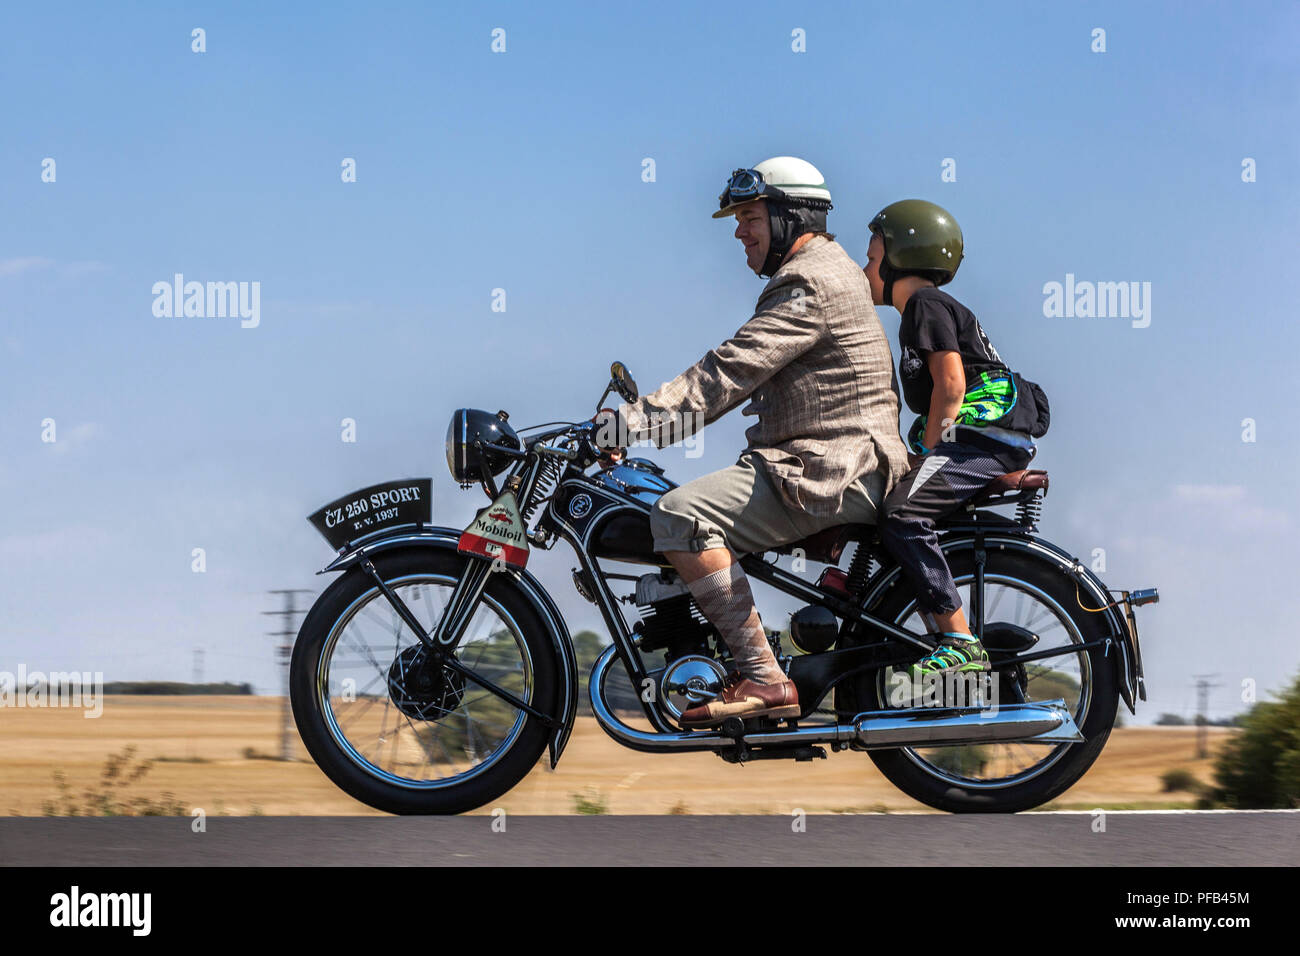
592	803
113	795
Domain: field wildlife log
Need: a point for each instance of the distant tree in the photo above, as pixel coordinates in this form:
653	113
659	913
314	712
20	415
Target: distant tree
587	645
1171	720
174	688
1259	768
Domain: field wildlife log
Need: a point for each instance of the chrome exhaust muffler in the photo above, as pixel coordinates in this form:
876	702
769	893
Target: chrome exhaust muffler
1040	722
1045	722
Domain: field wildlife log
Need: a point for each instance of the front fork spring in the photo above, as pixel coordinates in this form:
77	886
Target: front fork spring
547	478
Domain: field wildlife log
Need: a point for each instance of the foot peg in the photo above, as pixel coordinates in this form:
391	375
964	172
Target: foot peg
737	727
807	754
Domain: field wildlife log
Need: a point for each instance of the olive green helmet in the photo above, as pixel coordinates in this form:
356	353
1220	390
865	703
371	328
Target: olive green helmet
920	237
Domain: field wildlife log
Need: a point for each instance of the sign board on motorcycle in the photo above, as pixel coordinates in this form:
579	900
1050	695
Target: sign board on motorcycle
377	508
497	532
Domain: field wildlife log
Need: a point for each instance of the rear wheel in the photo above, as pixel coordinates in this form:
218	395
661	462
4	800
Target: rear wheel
1031	596
398	732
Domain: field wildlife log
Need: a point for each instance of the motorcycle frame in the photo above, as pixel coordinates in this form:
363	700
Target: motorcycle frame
887	644
890	644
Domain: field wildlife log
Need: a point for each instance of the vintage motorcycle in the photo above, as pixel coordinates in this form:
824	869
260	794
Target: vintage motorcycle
432	675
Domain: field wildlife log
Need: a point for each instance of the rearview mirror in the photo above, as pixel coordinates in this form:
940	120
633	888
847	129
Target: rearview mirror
623	382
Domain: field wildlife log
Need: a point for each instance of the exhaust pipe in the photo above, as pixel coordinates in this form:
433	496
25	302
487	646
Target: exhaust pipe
1048	722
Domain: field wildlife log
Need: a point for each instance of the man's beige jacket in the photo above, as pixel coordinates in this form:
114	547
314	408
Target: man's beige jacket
816	366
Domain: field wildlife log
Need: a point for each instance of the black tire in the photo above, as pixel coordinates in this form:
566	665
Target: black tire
948	789
308	685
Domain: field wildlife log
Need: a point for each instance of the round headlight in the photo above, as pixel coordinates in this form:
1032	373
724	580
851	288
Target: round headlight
464	458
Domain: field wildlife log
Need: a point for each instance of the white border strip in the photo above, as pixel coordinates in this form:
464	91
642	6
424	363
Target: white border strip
1104	810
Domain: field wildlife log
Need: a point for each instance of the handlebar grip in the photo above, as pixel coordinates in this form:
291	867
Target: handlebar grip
569	453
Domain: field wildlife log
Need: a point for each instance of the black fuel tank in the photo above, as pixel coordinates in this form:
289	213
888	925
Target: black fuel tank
610	514
624	535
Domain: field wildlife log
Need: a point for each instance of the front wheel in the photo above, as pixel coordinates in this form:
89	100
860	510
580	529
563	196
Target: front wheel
1035	596
399	733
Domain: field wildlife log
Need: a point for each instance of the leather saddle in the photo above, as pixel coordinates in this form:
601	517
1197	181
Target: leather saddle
827	545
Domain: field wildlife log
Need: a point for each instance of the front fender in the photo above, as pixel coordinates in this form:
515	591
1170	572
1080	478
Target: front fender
445	539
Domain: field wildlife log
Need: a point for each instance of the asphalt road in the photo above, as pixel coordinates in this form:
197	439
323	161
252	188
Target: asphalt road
1169	838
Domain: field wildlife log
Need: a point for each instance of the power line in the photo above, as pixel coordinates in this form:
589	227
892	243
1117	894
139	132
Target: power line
285	653
1203	686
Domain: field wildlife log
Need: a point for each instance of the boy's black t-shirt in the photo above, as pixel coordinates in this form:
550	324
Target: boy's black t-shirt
933	321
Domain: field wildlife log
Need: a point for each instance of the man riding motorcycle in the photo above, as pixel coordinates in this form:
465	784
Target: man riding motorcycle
815	363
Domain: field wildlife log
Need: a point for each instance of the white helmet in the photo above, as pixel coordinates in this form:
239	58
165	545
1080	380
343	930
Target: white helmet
797	202
781	177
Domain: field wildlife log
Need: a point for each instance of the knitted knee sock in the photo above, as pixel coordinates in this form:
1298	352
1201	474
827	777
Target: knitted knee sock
726	600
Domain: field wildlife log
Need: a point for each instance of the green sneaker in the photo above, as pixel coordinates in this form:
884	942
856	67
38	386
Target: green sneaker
954	654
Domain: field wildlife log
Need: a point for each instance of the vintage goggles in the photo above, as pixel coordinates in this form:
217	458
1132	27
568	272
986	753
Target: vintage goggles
744	185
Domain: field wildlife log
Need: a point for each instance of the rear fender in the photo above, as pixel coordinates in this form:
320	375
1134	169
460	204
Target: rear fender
1127	663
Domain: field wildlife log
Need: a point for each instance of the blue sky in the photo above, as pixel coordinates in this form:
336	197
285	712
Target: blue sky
522	171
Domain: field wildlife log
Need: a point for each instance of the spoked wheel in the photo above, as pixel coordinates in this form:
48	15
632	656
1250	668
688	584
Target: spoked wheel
1023	597
400	732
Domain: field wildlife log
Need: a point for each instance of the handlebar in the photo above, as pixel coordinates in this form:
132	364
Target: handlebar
569	453
585	449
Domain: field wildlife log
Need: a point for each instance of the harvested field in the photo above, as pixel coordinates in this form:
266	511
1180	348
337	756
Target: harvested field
211	753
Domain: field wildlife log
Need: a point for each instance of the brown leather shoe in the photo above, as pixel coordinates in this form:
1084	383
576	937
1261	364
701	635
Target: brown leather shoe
742	697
